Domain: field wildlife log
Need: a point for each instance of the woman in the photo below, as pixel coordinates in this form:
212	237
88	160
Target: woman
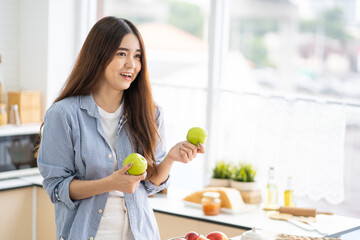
104	113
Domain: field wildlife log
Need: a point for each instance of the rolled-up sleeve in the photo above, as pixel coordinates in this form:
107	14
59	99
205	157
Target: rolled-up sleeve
56	156
160	154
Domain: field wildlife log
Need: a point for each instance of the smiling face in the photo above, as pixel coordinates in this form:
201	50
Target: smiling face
124	67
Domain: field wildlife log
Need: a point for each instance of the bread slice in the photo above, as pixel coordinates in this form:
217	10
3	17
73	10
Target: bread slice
230	198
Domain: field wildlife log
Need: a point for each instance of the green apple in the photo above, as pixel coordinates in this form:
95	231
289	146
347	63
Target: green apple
197	135
139	164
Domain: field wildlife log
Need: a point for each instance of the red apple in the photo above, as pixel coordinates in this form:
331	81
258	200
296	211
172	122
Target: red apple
192	236
201	237
217	235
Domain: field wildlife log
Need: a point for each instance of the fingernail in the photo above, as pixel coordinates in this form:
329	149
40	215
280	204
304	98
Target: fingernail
128	165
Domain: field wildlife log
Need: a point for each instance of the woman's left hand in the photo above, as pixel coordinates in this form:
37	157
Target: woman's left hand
185	151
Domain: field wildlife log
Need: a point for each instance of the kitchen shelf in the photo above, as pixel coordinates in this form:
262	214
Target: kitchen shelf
24	129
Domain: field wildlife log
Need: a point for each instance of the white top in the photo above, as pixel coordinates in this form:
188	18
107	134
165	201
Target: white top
110	122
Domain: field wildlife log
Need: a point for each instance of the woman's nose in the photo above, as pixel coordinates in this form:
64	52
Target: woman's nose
130	62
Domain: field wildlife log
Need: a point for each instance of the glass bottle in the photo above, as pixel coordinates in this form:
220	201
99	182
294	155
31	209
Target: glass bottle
14	117
3	114
289	194
211	203
271	198
2	85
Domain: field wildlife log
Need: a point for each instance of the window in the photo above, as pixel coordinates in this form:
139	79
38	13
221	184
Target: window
283	88
292	69
175	36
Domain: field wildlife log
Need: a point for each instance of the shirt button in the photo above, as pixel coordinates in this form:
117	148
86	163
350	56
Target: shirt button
110	155
91	238
100	210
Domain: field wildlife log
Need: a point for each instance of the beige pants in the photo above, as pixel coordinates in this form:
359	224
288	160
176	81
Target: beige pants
114	224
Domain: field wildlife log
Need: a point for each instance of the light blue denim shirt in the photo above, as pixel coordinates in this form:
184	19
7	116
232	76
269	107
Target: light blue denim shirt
73	145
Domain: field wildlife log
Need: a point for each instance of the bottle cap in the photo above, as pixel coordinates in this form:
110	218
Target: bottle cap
14	107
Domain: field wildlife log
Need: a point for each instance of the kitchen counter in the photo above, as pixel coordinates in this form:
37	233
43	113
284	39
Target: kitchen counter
172	204
20	182
23	129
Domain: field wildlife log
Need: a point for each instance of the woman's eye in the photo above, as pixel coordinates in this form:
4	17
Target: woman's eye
121	54
138	56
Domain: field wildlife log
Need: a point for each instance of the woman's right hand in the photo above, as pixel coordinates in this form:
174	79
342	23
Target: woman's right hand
121	181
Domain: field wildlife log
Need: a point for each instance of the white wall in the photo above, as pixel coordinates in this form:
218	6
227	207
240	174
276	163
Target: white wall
32	45
61	45
69	23
39	42
9	42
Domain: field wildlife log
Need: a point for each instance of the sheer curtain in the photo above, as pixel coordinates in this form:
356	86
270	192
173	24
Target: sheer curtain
350	205
299	138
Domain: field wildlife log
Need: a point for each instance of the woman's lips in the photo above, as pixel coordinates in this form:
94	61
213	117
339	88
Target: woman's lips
126	76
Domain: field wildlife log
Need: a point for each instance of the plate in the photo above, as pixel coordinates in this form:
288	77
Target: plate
246	208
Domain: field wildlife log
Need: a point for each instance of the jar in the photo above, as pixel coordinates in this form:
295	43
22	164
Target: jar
211	203
3	114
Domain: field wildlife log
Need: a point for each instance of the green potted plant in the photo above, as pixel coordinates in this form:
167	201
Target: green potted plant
221	174
243	177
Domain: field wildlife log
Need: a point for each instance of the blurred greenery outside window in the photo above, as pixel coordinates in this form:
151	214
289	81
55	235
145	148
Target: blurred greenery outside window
320	42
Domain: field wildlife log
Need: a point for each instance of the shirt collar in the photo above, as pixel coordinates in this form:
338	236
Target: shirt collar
88	103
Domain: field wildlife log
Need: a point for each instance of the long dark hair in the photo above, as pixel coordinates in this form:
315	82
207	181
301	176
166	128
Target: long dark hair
97	52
